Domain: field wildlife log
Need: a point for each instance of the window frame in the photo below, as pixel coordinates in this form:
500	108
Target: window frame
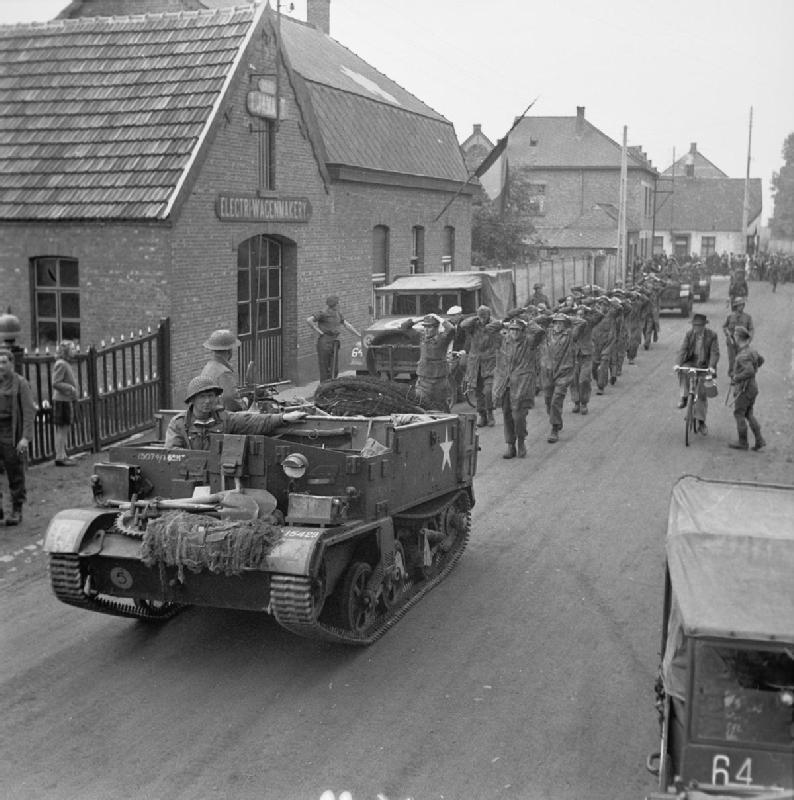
66	327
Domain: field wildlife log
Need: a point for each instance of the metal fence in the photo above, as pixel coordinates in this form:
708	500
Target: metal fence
121	386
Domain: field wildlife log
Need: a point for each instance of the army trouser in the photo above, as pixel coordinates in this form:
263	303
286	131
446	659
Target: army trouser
554	393
743	415
515	418
600	366
581	383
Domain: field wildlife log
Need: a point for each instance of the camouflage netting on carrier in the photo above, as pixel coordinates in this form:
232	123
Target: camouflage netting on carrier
199	543
362	396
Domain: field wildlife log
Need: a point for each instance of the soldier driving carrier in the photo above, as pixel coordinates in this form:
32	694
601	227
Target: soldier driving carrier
335	525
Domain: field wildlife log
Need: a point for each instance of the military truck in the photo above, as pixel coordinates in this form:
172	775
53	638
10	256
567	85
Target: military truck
676	294
389	351
725	691
336	526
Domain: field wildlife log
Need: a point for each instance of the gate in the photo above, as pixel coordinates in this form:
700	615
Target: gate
121	385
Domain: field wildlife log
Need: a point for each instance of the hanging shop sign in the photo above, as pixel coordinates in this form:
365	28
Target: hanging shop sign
251	208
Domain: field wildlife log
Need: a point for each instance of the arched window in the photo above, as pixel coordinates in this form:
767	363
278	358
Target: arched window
259	306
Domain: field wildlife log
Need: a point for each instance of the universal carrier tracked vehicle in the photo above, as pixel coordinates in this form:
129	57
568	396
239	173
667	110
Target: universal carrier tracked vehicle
336	527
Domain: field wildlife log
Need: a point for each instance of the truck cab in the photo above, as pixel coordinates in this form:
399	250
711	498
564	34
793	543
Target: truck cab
386	349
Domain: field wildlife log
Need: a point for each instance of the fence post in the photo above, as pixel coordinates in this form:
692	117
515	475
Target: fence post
164	361
93	397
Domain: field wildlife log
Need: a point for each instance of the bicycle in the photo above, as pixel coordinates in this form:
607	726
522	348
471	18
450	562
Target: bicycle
459	385
694	375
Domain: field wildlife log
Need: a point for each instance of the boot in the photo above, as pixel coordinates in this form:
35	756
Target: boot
483	420
521	449
510	452
554	435
15	517
577	407
489	420
740	445
759	443
584	409
613	380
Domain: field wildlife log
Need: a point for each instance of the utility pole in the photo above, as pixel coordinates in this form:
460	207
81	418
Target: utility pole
621	249
746	203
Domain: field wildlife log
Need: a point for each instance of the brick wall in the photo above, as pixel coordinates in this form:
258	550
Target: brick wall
131	275
123	271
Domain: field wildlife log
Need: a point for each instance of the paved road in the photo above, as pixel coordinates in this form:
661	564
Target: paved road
527	674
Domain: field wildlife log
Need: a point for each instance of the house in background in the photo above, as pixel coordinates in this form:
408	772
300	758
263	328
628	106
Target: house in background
572	173
475	148
693	164
699	210
146	173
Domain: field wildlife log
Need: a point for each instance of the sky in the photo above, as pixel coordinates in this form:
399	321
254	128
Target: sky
672	71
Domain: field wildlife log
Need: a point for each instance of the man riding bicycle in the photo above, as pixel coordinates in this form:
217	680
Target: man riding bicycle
700	349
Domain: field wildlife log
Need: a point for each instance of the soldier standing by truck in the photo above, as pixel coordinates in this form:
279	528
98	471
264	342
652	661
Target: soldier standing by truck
480	362
328	325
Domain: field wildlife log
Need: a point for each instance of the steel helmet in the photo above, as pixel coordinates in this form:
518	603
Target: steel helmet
222	339
201	383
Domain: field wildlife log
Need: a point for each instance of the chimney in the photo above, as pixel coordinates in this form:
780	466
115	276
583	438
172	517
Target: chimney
318	15
693	147
477	128
579	118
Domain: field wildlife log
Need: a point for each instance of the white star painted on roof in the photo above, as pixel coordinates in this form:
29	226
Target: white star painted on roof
369	85
446	446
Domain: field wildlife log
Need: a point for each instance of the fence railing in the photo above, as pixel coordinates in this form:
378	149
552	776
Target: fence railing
121	386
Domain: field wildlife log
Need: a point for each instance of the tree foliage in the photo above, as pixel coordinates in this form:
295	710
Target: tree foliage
782	222
502	234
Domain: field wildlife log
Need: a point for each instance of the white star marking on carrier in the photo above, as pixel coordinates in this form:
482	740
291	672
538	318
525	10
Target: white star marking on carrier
446	446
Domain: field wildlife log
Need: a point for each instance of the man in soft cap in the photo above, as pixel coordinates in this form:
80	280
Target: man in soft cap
514	380
221	344
17	415
557	360
701	349
191	428
537	297
481	360
431	371
328	325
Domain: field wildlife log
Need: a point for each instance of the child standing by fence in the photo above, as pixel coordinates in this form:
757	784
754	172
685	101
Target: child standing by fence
65	392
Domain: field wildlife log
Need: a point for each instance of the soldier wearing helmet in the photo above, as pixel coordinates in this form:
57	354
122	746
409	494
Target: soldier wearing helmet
737	318
328	325
191	428
221	344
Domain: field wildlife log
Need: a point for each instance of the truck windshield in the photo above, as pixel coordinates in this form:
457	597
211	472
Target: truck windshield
744	694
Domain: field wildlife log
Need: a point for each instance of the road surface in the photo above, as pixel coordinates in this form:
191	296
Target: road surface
527	674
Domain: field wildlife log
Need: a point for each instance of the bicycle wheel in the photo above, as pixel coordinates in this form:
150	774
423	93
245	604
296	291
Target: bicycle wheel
689	420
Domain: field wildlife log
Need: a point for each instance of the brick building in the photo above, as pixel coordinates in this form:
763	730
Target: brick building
572	171
144	173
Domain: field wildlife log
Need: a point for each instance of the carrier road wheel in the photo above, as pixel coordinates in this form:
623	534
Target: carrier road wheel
394	582
357	606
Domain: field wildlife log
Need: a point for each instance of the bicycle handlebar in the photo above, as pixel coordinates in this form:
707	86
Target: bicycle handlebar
676	368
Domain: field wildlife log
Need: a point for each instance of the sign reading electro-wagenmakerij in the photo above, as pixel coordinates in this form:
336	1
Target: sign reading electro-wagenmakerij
250	208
